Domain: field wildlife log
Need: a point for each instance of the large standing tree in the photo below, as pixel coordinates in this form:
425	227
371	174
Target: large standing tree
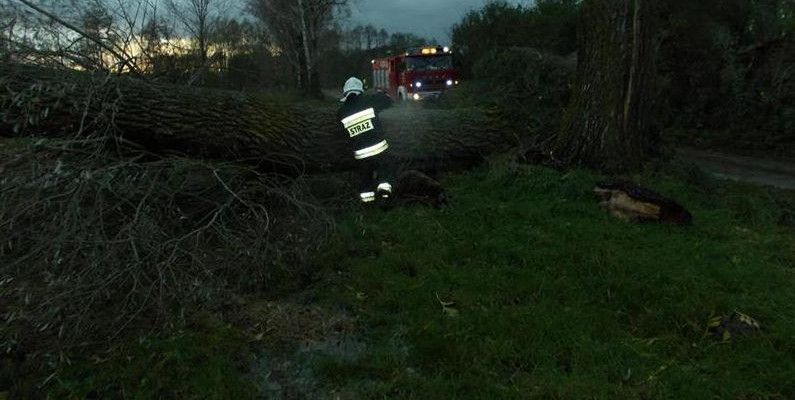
609	124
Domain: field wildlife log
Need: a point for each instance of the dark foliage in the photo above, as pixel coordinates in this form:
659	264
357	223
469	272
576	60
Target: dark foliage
726	69
531	86
550	26
359	46
729	66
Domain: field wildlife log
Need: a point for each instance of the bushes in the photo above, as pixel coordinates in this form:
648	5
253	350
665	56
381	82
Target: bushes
521	59
530	85
728	67
527	86
549	26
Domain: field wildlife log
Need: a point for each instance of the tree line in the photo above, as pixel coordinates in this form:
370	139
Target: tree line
715	70
244	45
722	67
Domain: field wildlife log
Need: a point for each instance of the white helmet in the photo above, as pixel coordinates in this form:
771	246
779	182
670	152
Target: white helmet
352	85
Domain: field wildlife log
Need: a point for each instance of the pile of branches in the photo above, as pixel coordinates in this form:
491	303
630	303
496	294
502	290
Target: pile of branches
98	240
113	217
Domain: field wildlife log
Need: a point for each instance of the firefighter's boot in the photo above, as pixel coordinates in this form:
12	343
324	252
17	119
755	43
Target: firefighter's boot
384	195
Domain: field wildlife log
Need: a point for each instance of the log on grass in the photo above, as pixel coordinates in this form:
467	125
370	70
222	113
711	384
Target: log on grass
232	125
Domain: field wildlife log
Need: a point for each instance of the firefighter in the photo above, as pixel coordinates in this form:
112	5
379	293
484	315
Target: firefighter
359	118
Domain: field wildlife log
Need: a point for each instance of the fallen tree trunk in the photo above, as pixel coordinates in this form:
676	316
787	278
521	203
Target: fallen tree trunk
232	125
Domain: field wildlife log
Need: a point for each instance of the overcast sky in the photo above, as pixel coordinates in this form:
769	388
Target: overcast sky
427	18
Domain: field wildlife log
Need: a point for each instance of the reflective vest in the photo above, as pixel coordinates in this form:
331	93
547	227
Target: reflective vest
359	119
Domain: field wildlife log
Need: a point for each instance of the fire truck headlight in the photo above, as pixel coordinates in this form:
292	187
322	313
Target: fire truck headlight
449	82
418	84
416	96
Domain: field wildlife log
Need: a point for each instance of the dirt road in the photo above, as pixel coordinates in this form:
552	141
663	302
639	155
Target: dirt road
764	171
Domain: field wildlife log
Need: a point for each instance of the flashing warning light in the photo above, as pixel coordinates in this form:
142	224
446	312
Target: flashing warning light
446	49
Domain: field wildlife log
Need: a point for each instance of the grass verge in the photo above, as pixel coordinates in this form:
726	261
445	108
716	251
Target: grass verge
521	288
208	360
524	288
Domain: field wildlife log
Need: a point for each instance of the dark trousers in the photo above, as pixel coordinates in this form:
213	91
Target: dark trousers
375	178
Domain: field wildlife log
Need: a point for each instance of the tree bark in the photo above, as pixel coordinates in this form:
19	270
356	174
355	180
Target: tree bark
232	125
305	46
609	124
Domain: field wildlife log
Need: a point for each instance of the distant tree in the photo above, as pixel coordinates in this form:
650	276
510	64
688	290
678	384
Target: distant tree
357	34
6	31
400	42
383	38
353	50
370	36
229	36
153	39
496	24
96	23
278	17
610	122
550	26
68	34
299	26
200	19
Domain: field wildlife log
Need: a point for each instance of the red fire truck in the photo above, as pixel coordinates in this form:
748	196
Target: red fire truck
418	74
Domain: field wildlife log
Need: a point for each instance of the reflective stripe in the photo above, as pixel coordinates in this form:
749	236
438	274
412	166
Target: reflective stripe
385	186
373	150
367	196
358	117
360	122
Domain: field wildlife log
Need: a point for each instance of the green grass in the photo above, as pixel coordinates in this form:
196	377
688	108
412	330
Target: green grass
555	299
521	288
206	361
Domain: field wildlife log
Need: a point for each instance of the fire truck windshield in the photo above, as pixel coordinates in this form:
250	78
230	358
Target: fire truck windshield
429	63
